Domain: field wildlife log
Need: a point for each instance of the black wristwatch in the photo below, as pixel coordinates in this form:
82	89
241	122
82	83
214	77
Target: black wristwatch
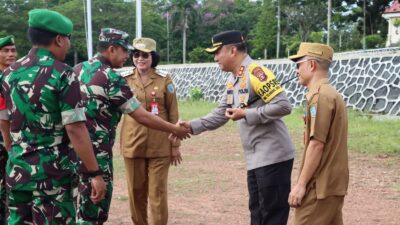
94	173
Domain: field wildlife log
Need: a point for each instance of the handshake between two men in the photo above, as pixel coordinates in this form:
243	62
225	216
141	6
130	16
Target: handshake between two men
184	126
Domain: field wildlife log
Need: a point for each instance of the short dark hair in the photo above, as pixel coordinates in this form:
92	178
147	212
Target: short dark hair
241	47
7	46
155	59
40	37
102	46
322	63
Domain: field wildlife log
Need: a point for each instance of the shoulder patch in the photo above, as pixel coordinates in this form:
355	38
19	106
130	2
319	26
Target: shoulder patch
264	82
259	73
125	73
162	73
171	88
313	111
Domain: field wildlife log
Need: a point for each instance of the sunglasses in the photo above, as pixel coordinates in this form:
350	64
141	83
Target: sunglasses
144	55
300	62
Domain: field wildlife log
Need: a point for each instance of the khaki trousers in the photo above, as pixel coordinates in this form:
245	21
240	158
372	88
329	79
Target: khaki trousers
313	211
147	185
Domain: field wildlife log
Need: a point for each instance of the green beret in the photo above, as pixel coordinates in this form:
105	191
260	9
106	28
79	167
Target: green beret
9	40
49	20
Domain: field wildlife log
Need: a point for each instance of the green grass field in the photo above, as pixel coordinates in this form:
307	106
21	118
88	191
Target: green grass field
209	187
366	135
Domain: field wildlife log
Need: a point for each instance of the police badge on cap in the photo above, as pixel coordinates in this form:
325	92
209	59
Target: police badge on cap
225	38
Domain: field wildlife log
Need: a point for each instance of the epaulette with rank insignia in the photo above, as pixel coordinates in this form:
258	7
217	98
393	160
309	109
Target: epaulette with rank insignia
162	73
125	73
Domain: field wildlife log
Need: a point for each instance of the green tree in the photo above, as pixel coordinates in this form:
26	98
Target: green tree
74	10
374	41
317	37
263	35
181	12
304	16
374	19
199	55
14	20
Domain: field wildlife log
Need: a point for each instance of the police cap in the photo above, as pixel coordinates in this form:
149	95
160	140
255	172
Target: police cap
225	38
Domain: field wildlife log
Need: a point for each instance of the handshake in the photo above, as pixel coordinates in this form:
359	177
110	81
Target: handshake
182	130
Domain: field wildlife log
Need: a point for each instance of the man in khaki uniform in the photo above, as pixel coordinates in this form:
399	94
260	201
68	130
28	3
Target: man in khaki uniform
148	152
324	174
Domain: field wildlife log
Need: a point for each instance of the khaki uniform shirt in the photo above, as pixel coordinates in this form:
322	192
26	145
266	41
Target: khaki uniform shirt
326	121
138	141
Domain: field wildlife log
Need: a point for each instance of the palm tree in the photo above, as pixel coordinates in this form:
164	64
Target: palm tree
181	11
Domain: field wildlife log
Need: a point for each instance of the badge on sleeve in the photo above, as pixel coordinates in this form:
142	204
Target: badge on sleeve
259	73
264	82
171	88
313	111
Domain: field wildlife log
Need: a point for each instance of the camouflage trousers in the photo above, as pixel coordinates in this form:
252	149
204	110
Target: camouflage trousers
88	212
44	207
3	195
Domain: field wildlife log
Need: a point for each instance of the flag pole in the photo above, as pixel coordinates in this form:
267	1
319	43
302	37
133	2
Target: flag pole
89	41
138	18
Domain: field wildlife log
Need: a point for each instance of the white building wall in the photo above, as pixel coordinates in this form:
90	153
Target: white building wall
393	36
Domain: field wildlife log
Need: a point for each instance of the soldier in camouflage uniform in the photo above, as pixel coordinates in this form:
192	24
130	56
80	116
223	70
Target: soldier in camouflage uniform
8	55
43	98
107	96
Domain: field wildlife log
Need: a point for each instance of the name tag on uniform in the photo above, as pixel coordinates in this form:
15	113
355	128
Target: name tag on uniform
243	91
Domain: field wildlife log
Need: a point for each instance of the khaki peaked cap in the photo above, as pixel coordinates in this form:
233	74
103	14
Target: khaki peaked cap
317	50
144	44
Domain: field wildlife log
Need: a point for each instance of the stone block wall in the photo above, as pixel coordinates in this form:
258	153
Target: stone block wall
368	80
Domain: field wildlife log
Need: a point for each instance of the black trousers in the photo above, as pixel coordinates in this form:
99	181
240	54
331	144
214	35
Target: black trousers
269	189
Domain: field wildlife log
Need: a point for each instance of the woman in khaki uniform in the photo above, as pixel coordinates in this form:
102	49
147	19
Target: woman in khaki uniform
148	153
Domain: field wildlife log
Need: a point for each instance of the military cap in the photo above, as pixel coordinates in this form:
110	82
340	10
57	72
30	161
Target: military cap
225	38
51	21
115	36
144	44
316	50
9	40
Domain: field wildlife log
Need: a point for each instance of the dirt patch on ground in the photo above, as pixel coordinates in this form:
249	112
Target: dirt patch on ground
210	188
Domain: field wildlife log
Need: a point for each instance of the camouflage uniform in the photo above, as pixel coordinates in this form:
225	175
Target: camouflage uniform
3	162
106	96
42	96
3	194
4	42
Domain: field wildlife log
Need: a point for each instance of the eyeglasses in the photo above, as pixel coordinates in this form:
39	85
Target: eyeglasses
144	55
300	62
